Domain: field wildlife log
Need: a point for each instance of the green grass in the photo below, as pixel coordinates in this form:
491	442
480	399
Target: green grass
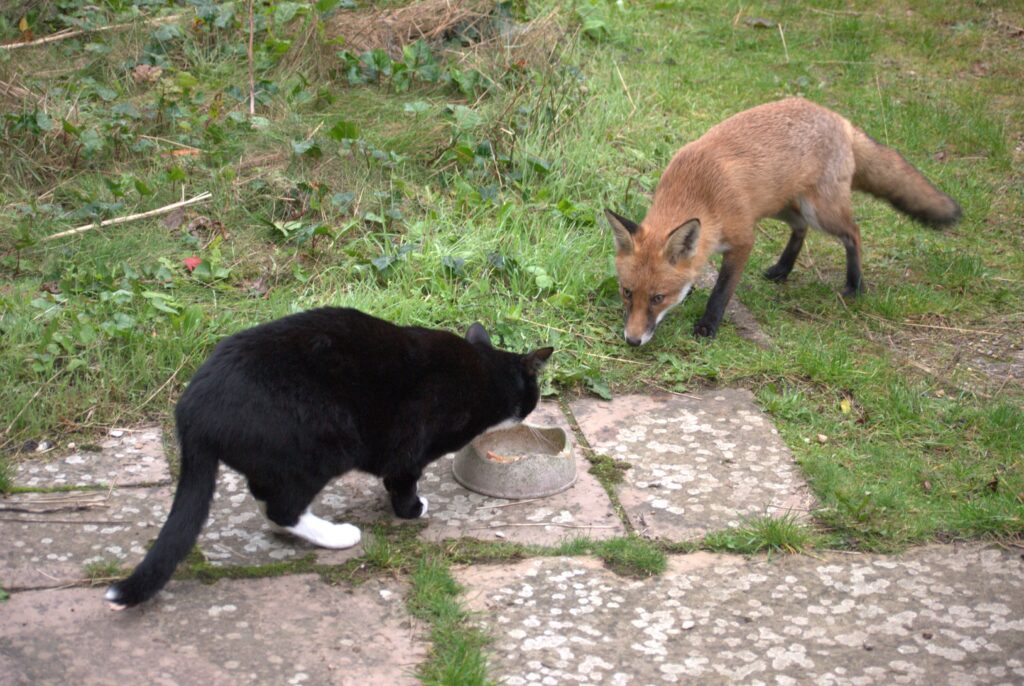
457	655
103	571
763	535
415	220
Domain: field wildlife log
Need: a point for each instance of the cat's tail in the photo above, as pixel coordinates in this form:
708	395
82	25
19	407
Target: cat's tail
188	512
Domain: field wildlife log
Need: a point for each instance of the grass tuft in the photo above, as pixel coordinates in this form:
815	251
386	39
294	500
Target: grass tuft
763	534
104	570
607	470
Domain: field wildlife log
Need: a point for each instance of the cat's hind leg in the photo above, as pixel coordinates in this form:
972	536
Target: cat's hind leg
323	533
288	510
406	503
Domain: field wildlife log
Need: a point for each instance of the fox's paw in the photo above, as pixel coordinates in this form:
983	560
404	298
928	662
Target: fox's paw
776	273
703	329
852	291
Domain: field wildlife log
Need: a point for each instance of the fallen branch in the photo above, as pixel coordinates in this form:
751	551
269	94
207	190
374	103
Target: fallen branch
15	91
71	33
131	217
252	81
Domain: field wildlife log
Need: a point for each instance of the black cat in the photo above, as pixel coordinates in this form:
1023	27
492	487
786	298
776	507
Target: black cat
296	402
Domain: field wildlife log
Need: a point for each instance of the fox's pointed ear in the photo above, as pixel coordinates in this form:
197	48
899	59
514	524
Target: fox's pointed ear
682	242
623	230
478	334
536	360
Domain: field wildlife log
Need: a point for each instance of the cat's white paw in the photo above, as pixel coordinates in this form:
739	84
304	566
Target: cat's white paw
425	504
324	534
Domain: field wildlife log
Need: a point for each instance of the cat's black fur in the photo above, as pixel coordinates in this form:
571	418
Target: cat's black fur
296	402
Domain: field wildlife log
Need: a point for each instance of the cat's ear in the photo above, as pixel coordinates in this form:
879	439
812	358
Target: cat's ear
478	334
535	361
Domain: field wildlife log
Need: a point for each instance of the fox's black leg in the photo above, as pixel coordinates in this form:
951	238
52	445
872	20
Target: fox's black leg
854	283
834	215
733	263
404	500
781	269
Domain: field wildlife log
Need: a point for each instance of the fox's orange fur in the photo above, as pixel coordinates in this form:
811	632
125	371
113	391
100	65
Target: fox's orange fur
792	160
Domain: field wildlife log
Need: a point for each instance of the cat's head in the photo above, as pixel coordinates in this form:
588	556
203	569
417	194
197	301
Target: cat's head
516	374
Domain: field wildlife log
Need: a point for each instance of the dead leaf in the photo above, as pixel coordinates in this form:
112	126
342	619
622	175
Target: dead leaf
845	405
759	23
50	287
184	152
926	486
145	73
822	438
174	219
940	156
256	287
993	485
26	30
204	227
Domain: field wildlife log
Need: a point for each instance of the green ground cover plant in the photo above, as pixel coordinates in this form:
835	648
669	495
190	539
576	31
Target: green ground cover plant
462	177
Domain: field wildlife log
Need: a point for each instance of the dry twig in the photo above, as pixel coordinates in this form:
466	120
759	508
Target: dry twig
72	33
202	197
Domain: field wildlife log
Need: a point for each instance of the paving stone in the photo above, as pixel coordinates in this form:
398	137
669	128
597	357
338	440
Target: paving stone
288	630
238	533
50	543
698	465
582	510
132	457
935	615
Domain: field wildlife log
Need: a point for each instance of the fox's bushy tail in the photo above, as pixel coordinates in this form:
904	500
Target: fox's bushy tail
179	533
883	172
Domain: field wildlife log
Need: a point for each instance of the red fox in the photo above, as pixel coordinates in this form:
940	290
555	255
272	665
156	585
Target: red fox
792	160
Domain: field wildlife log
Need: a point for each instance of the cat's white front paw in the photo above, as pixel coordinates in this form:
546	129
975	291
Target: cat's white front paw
424	503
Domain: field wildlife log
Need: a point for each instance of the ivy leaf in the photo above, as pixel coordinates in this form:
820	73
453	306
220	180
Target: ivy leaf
44	121
418	107
455	265
382	262
465	117
284	12
308	147
598	387
343	130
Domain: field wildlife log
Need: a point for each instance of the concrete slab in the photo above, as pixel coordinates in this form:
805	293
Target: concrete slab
237	532
935	615
698	465
55	535
127	457
582	510
288	630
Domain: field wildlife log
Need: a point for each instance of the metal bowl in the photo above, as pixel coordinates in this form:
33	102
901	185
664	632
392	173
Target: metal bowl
523	461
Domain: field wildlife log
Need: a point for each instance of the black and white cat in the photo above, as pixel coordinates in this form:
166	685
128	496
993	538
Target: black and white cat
296	402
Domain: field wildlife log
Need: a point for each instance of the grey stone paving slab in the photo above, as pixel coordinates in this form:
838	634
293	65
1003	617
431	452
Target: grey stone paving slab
127	457
698	465
289	630
237	532
50	544
582	510
935	615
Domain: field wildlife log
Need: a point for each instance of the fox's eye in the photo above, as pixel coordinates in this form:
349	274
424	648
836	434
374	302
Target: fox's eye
656	299
626	293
